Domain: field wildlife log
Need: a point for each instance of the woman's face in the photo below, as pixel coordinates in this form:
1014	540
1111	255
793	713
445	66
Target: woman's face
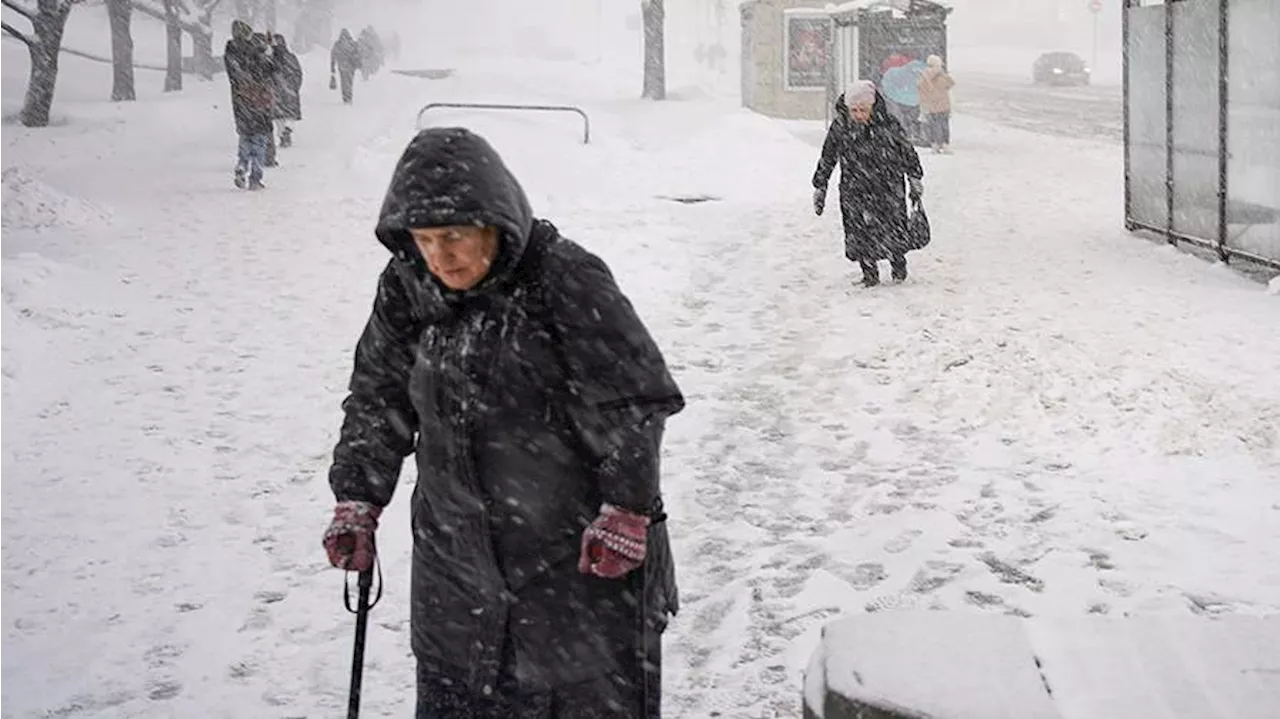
860	113
458	255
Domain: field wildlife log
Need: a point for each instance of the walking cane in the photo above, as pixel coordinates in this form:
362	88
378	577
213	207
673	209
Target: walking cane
361	610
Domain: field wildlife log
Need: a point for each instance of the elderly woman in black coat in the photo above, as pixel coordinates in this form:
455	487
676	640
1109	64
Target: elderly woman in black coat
875	156
508	360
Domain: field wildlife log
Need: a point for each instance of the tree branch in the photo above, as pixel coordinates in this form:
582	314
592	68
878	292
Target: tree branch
194	28
9	29
28	13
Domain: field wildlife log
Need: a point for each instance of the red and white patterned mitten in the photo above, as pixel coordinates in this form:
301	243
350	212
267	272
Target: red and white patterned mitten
614	544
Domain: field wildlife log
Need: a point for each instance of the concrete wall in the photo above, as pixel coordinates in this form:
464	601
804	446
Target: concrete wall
763	46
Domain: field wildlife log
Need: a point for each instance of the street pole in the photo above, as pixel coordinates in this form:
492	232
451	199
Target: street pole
1095	7
1093	66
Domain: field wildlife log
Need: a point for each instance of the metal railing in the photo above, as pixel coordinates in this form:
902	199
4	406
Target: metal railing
586	122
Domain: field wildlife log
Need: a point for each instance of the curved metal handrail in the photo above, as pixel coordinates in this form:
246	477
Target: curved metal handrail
586	122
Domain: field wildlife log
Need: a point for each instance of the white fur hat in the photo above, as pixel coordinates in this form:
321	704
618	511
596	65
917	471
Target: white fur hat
860	92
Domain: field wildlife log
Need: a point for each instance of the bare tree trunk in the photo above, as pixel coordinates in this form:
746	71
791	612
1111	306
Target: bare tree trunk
202	54
120	13
655	74
173	48
47	24
202	40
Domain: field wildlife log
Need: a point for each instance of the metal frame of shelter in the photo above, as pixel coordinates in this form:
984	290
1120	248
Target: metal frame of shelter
1170	151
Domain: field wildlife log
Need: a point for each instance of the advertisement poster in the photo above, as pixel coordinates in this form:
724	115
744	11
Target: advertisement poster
807	41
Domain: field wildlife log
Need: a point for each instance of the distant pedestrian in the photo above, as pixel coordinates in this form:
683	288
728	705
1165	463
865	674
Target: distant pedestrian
371	52
249	69
935	104
345	59
288	90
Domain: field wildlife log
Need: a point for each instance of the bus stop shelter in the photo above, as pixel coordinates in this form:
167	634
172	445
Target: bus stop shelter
798	55
1202	124
887	43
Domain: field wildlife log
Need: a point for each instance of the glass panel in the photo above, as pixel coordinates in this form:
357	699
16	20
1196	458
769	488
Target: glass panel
1195	118
1253	128
1146	116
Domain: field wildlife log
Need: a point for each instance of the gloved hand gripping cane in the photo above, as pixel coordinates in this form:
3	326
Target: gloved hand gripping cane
364	584
350	545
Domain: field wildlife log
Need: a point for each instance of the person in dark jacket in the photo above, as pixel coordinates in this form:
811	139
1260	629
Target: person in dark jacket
371	53
288	90
874	155
249	69
509	360
345	58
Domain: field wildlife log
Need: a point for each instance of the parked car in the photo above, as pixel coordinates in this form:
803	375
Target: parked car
1060	68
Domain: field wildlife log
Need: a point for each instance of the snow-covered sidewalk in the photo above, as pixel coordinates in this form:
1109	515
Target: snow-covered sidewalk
1051	416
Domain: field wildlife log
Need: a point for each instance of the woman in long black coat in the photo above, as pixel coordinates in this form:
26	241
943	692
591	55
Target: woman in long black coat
507	358
287	89
874	155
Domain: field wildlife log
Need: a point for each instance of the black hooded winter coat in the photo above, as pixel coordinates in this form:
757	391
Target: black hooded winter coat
529	400
250	71
345	55
874	158
287	83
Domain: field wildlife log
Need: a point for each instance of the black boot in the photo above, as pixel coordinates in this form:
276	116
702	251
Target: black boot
870	273
899	265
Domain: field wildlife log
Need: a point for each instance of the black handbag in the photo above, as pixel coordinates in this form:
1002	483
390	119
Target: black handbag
918	234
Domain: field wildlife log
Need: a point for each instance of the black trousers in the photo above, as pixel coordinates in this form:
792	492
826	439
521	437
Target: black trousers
871	270
633	692
347	78
939	128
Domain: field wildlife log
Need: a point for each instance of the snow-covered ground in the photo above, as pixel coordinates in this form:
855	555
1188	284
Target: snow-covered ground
1051	417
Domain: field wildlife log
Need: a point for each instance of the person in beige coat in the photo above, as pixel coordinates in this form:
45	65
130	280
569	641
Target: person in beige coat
935	103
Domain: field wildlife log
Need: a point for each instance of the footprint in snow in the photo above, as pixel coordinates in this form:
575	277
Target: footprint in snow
982	599
162	655
1117	587
162	690
90	705
1209	604
707	619
269	597
934	575
902	542
862	576
1099	559
1010	574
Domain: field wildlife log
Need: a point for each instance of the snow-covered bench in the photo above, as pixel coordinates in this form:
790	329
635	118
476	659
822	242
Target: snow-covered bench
962	665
